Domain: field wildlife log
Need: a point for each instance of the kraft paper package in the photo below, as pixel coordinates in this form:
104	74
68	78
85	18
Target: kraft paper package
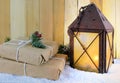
50	70
28	53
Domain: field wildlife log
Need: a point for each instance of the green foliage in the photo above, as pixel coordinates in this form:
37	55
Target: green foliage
7	39
63	49
36	40
38	44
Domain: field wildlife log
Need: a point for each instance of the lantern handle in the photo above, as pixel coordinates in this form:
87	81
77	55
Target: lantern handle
81	13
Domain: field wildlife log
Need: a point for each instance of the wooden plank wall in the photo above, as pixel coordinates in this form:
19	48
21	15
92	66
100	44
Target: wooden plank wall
32	16
4	19
46	16
59	17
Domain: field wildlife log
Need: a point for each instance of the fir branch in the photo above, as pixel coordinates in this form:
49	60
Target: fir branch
36	40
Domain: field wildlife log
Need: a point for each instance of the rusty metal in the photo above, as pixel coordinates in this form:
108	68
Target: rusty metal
90	19
111	51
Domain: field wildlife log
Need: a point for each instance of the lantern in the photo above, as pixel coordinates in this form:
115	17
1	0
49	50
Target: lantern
91	40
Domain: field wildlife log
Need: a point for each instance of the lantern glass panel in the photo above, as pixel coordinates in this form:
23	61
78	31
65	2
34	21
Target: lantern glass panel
90	43
108	49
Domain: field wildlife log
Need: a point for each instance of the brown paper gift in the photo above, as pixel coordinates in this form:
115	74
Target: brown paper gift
50	70
29	54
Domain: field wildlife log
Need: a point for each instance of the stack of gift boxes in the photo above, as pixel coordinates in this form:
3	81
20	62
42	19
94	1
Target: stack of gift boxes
19	57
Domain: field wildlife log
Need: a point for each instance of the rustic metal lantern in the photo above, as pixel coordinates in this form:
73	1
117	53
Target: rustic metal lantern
91	40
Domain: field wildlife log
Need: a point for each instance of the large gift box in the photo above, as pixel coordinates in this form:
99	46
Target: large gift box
50	70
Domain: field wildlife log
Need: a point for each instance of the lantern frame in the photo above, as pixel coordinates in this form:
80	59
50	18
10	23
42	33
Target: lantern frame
80	25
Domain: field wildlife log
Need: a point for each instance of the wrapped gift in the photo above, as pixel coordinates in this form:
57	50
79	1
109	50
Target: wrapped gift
23	51
50	70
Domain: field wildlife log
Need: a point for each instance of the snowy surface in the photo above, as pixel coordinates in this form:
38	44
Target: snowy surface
70	75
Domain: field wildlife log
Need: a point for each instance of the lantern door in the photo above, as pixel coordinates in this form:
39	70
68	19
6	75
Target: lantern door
86	51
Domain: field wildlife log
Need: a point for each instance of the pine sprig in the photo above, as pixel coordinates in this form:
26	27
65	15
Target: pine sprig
7	39
36	40
63	49
38	44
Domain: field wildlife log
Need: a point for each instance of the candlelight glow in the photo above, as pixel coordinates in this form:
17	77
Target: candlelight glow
85	63
96	58
81	58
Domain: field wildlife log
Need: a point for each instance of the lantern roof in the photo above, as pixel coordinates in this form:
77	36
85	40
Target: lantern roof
90	19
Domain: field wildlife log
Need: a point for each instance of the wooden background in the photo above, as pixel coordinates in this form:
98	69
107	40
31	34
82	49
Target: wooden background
51	17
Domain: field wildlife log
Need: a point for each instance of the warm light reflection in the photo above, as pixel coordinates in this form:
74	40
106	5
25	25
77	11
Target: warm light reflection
96	58
108	48
91	51
85	63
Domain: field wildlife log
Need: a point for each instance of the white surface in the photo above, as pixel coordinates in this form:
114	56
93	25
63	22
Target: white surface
70	75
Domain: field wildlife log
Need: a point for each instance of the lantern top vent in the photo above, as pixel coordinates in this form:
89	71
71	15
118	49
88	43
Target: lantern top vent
90	19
